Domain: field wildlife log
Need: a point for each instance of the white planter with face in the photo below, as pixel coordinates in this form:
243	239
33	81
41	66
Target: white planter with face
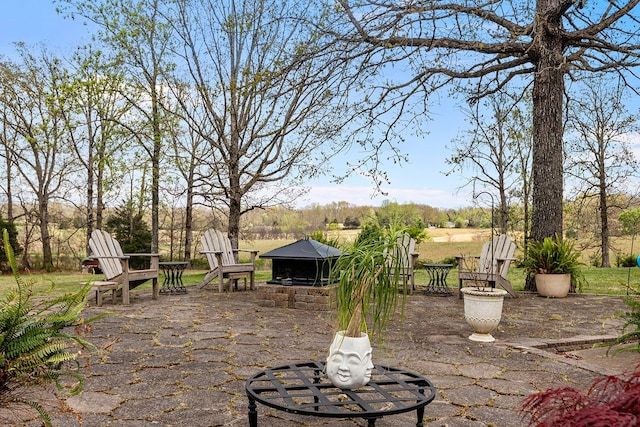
349	362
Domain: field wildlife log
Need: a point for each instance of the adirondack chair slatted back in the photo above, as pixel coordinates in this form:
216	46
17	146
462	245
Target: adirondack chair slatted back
498	248
218	250
215	241
106	248
405	257
491	266
405	246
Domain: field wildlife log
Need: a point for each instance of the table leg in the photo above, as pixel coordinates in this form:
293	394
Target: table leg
420	413
253	413
179	285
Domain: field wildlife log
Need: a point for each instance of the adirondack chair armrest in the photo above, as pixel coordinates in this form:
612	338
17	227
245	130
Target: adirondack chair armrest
252	254
108	257
142	254
211	252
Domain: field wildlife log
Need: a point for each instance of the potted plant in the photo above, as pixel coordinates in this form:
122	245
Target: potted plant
483	302
555	267
483	310
369	287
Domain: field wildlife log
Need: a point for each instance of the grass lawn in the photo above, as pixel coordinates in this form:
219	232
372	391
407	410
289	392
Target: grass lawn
444	244
599	281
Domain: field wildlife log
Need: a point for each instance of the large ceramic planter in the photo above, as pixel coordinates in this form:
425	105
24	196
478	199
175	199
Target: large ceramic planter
483	311
553	285
349	362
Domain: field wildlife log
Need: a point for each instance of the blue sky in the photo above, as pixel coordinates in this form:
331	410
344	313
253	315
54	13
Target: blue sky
421	181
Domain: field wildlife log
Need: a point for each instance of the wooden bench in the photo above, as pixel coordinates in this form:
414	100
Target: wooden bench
101	287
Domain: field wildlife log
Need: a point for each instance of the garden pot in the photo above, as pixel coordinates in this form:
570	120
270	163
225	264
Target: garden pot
349	362
483	311
553	285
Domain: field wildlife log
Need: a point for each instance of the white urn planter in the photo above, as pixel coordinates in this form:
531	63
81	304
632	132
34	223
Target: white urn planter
349	362
483	311
553	285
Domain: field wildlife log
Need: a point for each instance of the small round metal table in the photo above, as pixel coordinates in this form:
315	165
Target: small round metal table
303	388
172	283
438	279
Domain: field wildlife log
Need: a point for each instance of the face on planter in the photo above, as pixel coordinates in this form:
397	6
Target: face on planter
348	367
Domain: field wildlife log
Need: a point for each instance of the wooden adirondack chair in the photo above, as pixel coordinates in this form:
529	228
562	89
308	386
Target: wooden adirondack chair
407	256
115	264
222	260
491	266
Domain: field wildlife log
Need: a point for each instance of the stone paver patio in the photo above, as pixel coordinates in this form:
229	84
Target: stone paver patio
182	360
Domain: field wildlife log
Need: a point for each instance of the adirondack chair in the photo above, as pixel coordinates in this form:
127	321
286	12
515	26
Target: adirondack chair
115	264
222	260
407	257
491	266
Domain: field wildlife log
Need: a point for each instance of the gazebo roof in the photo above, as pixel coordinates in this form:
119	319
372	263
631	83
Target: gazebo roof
303	249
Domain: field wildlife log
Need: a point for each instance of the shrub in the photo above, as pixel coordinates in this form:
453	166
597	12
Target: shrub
611	401
35	343
320	236
626	261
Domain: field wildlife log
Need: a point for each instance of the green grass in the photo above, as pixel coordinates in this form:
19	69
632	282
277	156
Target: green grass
599	280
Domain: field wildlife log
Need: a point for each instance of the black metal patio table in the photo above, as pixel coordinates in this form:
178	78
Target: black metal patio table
303	388
438	279
172	283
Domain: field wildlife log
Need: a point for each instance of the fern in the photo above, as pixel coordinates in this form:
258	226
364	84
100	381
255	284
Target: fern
34	347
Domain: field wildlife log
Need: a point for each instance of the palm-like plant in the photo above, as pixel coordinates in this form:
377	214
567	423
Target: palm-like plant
555	256
370	282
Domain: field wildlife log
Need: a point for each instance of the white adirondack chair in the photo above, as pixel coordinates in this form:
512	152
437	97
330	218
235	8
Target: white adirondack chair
407	257
222	260
491	266
115	264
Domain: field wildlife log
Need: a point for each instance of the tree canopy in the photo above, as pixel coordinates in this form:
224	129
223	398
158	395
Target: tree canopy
479	48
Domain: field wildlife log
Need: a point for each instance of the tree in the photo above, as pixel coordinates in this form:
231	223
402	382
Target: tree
34	102
484	48
136	31
264	99
493	149
131	231
97	138
600	159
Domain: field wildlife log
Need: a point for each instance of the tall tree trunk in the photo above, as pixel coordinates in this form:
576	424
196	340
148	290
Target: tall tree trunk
47	255
235	204
548	91
90	186
9	192
604	223
155	172
100	157
188	226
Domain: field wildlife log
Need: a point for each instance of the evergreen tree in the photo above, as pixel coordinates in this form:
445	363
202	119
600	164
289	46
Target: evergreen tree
132	232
